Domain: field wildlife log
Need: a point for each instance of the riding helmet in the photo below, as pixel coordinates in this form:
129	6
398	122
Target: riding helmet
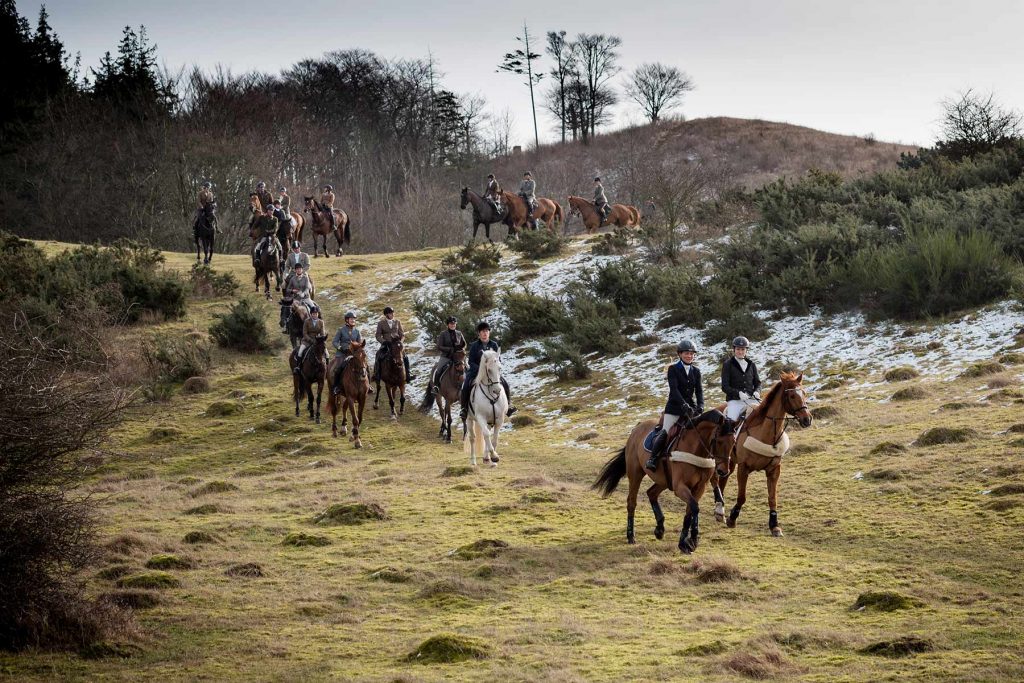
451	319
207	184
329	188
261	185
350	316
527	174
482	325
282	189
388	309
740	342
296	245
686	345
597	179
490	176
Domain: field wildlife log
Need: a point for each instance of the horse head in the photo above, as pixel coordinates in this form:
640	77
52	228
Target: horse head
794	400
255	206
308	202
465	198
490	368
723	448
459	364
358	360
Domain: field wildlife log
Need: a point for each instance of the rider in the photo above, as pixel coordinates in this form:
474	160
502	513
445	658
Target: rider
327	196
685	398
286	201
527	191
284	219
266	225
261	192
600	200
389	329
208	206
342	344
296	256
476	350
740	381
448	342
311	329
493	192
298	288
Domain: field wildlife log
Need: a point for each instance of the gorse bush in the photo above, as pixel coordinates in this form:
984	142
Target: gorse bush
615	242
476	257
568	361
532	315
594	325
478	292
242	328
176	358
537	244
432	312
206	282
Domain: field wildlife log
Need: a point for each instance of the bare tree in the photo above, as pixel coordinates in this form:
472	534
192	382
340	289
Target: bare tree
561	52
674	187
596	55
520	62
974	123
499	133
657	88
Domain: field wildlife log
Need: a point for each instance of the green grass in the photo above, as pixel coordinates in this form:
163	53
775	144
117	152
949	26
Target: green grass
566	598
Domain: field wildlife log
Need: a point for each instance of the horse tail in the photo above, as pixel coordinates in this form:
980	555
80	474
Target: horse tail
348	229
428	401
612	472
559	215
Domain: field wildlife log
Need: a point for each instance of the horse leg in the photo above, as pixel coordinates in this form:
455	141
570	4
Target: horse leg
741	495
401	398
332	405
309	399
344	414
636	476
659	517
773	475
685	544
319	394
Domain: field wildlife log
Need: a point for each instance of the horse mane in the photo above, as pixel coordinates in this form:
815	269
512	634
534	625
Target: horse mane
480	375
757	414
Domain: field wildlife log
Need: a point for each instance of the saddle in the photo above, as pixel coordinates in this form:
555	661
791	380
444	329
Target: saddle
674	433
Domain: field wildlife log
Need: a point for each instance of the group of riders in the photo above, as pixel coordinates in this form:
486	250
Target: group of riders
528	193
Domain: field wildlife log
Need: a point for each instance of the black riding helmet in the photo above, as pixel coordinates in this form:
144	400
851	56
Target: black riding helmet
388	309
350	316
451	319
740	342
686	345
296	245
482	325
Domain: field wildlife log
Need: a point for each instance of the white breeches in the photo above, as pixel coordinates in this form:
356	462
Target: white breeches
734	409
668	421
302	348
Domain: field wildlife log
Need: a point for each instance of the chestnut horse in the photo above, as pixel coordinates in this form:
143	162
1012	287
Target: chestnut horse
450	386
392	371
548	211
620	216
702	450
354	385
321	225
760	444
312	371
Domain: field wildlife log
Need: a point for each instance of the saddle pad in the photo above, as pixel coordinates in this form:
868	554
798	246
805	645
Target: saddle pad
692	459
649	439
761	448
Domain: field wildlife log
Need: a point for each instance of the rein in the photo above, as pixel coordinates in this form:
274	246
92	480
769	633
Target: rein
787	418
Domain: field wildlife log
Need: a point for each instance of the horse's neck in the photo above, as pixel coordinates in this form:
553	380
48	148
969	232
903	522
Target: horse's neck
769	422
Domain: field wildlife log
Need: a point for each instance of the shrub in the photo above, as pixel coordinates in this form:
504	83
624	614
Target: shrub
532	315
206	282
615	242
885	601
432	312
351	513
593	326
447	648
196	385
981	369
476	257
942	435
177	358
538	244
901	374
242	328
568	362
479	293
740	322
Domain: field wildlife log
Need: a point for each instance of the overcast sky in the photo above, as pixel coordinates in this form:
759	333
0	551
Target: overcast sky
867	66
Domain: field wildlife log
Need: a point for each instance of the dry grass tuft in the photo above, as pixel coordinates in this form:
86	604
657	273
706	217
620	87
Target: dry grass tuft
759	661
447	648
901	374
942	435
350	514
714	571
904	646
909	394
885	601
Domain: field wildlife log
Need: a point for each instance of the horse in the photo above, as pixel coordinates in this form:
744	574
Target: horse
703	449
487	406
321	225
515	214
293	323
635	215
620	215
392	371
353	386
762	441
484	212
550	213
204	231
450	386
270	263
312	371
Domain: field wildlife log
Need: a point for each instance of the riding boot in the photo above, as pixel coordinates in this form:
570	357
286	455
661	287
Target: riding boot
508	395
408	373
656	448
464	400
336	379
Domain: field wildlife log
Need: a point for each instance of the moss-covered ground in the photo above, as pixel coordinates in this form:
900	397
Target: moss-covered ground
566	599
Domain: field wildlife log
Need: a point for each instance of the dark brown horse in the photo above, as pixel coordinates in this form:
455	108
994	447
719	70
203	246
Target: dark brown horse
321	225
354	385
270	263
392	371
620	216
204	230
293	322
484	212
696	455
312	371
450	387
762	441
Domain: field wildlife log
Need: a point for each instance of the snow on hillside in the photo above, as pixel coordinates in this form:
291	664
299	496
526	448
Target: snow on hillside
816	343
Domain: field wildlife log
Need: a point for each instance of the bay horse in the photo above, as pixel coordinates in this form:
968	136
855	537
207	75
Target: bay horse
484	212
392	371
450	386
762	441
312	371
548	211
703	449
620	215
293	323
321	225
354	385
270	263
487	407
204	231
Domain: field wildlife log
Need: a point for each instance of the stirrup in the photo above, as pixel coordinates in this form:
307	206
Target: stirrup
652	463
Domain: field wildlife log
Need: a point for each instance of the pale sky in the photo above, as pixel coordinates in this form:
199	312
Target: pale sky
868	66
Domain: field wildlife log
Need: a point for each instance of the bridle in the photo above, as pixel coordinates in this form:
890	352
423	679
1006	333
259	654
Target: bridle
788	418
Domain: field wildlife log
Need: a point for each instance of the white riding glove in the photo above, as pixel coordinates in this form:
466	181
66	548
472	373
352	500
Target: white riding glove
743	396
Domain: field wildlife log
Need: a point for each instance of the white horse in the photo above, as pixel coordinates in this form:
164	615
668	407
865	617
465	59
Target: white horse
487	406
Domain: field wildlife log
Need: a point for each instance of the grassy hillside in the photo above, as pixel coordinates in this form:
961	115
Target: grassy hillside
567	599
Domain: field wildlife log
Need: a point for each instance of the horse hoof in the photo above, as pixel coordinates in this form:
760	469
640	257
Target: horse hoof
659	532
394	418
777	532
731	523
318	419
719	517
630	540
359	444
685	548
